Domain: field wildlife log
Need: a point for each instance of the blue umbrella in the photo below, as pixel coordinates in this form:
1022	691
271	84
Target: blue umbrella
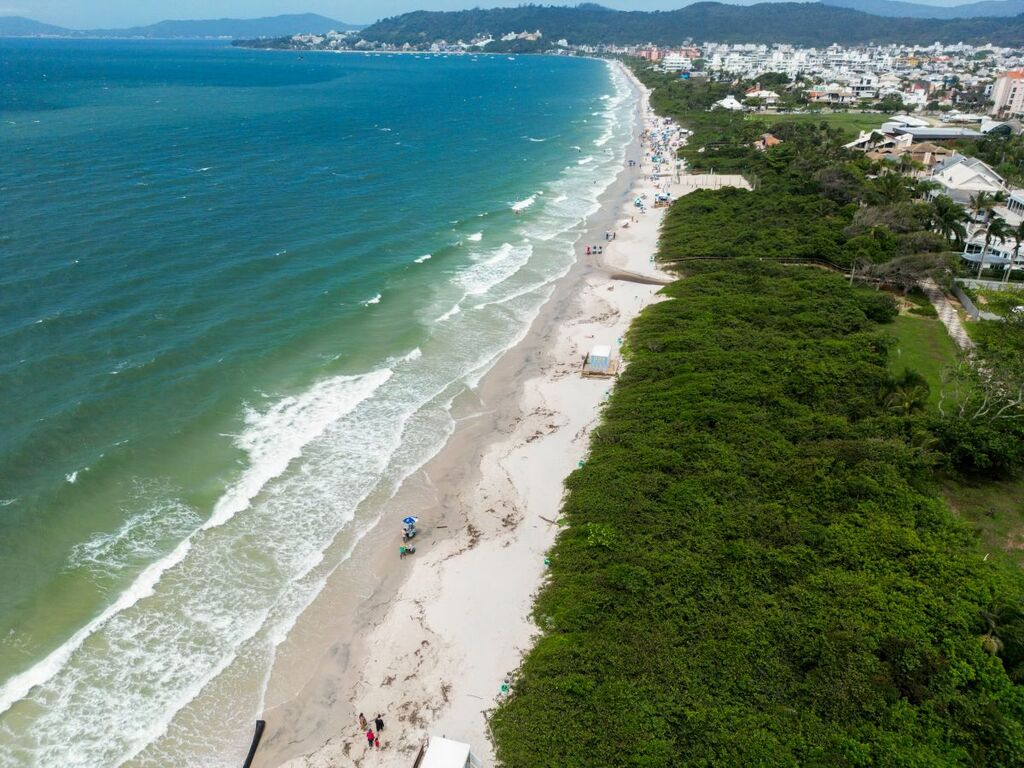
410	521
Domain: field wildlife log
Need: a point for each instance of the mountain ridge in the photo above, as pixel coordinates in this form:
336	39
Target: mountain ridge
812	24
904	9
266	26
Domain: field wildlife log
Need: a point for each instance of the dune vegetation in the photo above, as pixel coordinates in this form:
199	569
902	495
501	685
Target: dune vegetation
756	566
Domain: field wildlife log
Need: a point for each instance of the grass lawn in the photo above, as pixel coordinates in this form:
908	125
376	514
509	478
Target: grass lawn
849	122
995	510
923	345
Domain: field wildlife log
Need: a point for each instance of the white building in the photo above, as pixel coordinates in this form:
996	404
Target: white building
865	86
833	93
675	62
768	98
729	102
1008	93
963	177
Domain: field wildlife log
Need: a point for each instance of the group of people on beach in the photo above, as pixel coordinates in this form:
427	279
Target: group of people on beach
662	139
372	739
408	534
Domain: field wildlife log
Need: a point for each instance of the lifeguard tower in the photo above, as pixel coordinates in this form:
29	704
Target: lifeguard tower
440	752
600	362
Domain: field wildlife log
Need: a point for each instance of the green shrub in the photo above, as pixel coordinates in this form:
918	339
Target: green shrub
755	570
924	311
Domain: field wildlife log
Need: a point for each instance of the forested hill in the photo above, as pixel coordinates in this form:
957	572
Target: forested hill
797	23
1003	8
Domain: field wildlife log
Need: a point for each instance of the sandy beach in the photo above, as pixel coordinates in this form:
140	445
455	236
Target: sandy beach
428	641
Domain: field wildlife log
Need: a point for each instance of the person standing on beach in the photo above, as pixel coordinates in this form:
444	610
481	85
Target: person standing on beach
379	722
362	721
370	738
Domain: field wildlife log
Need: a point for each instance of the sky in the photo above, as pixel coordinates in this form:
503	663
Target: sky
85	14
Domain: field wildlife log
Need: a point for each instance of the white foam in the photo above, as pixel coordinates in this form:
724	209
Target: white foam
499	265
524	291
449	314
522	205
421	259
72	477
476	237
411	356
272	440
137	539
535	140
275	437
375	300
19	686
585	160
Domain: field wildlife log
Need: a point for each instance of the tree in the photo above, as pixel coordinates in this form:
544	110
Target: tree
981	424
888	188
987	393
948	219
908	165
907	394
1018	238
983	201
906	272
997	229
892	102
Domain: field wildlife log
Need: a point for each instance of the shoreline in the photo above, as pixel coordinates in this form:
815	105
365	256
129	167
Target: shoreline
423	643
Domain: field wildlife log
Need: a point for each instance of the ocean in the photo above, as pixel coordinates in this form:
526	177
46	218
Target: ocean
239	292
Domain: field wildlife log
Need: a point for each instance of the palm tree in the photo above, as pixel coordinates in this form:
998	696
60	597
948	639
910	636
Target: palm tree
981	202
997	229
949	218
889	188
906	394
1018	238
924	187
907	399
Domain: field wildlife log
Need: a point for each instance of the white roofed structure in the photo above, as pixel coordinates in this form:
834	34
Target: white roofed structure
729	102
962	177
446	753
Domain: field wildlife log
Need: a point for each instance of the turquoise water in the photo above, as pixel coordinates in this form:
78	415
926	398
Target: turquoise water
239	292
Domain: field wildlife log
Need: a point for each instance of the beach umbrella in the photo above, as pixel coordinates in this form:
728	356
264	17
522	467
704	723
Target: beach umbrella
410	521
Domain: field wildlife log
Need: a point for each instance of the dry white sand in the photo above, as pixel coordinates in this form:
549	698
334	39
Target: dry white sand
437	641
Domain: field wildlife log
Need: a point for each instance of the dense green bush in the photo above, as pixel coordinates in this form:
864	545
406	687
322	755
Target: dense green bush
754	569
981	448
733	222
